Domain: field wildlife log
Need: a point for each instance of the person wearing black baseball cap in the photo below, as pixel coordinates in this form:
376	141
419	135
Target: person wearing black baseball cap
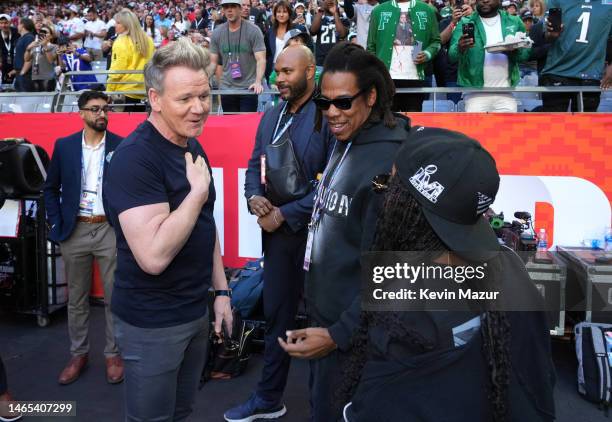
474	365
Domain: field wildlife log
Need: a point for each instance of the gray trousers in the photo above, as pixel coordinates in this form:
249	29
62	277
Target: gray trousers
163	367
89	241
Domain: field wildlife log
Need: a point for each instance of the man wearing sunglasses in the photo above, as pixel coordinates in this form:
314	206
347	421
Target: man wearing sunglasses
283	219
356	97
77	216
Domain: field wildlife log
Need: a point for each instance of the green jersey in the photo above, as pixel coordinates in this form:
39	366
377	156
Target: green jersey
580	50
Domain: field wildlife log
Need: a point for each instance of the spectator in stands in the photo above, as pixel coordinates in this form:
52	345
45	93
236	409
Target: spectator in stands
445	71
238	45
131	51
200	22
528	20
539	49
360	13
152	31
22	68
10	36
355	98
76	212
42	54
74	59
95	31
283	223
74	27
254	15
296	36
161	199
301	16
404	35
329	28
162	20
479	68
180	24
577	54
275	37
5	397
511	7
538	8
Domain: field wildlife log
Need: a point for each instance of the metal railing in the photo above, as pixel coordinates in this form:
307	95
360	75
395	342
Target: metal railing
58	98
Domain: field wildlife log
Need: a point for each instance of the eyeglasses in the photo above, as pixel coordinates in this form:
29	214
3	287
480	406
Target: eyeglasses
380	183
97	109
341	103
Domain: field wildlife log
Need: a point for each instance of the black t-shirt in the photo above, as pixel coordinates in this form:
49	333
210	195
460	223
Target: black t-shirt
327	37
148	169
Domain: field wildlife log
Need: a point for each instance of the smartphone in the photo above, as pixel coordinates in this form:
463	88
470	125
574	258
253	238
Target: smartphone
468	30
458	4
555	16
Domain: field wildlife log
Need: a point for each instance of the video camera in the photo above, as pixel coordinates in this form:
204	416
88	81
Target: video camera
518	235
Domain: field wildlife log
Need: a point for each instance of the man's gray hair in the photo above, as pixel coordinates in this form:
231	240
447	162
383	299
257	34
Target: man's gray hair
182	53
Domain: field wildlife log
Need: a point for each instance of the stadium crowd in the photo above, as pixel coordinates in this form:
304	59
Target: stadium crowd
444	46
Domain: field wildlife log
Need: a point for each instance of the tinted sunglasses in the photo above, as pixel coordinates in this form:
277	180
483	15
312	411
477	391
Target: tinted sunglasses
380	183
341	103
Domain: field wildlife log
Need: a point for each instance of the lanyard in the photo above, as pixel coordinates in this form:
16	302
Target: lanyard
229	45
10	43
198	22
277	135
318	206
84	173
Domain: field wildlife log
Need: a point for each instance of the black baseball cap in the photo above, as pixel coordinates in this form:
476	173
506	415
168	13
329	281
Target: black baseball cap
527	15
455	180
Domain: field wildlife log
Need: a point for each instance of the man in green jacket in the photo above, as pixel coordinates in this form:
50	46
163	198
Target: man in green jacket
404	35
478	68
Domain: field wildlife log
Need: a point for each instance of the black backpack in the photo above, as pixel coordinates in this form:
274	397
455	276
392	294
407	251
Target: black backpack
594	353
228	356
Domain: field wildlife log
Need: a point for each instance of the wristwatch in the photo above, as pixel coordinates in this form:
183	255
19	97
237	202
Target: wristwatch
227	293
251	197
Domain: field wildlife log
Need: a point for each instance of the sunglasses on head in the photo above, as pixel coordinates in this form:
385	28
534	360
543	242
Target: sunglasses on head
341	103
380	183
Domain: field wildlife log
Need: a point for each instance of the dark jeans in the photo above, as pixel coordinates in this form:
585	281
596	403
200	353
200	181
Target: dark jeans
560	101
3	383
239	103
326	376
43	85
162	369
408	102
284	283
23	83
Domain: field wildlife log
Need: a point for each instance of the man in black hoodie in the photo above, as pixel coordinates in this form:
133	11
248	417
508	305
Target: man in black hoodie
356	97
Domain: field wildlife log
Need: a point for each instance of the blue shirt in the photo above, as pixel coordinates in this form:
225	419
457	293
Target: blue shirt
148	169
80	82
20	49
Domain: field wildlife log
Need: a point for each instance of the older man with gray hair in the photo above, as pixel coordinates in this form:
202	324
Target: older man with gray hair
161	197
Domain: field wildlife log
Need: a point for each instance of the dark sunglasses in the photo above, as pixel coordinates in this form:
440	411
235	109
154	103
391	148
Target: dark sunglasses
97	109
341	103
380	183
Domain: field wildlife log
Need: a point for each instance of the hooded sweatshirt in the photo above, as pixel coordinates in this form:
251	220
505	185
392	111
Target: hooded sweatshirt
347	226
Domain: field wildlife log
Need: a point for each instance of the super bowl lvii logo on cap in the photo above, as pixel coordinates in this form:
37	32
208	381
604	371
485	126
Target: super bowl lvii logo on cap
420	181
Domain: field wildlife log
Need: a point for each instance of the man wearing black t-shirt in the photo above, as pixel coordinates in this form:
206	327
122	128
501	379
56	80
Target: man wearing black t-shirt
329	28
161	199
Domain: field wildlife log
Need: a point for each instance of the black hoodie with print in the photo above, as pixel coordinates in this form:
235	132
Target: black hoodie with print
347	225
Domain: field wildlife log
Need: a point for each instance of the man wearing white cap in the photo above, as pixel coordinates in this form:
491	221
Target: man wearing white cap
75	27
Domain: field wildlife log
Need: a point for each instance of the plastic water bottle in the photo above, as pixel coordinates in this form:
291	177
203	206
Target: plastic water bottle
542	241
542	248
608	240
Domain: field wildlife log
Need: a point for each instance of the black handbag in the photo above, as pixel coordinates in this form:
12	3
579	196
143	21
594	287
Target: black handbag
285	180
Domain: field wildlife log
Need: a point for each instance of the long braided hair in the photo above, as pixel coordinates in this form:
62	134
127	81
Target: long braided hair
402	226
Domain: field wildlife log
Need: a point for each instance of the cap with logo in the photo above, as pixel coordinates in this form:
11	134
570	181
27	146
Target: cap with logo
526	15
454	179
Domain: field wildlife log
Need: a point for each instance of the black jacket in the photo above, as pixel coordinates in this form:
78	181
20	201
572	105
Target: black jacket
449	383
4	53
346	228
312	149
